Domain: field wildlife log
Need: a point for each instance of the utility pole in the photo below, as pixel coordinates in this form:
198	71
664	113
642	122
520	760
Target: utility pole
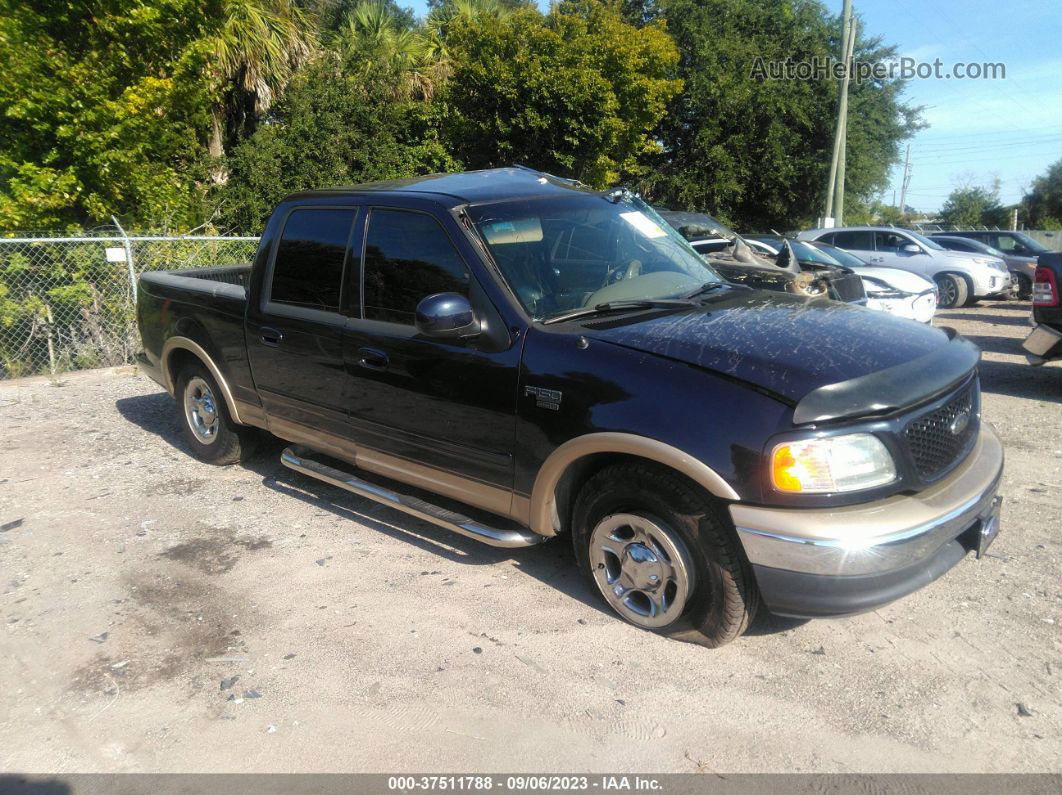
906	179
842	155
842	109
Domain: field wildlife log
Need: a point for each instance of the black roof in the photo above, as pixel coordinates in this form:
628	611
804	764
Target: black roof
469	187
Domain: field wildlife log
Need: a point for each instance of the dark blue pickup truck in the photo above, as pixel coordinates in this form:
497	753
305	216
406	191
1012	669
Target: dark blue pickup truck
514	356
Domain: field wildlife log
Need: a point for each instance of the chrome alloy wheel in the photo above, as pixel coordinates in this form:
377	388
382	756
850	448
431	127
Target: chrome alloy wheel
201	410
642	568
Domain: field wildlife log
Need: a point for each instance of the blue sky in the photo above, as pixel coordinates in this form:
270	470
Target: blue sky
980	130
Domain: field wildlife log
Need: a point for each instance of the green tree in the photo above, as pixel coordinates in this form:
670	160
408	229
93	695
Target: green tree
372	39
331	128
756	149
973	206
102	111
1042	204
575	92
252	55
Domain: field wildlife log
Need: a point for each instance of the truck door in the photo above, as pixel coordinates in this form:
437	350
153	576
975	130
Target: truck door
294	333
435	412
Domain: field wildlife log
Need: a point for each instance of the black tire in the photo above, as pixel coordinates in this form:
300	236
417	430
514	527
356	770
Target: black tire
953	290
229	442
724	596
1024	288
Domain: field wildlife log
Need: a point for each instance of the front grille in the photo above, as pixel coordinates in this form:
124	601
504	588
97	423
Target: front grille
934	445
847	287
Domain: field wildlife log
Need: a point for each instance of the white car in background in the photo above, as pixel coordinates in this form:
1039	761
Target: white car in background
891	290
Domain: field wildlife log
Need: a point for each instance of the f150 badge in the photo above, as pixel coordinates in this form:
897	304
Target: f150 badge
545	398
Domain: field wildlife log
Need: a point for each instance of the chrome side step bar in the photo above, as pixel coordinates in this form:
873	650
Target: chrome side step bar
297	458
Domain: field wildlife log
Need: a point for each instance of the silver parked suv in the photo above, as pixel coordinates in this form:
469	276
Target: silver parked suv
961	278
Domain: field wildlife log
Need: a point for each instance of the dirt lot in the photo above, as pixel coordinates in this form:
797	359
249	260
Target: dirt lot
162	615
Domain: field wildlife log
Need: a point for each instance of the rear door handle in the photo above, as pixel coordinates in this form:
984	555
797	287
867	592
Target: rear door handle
270	336
372	359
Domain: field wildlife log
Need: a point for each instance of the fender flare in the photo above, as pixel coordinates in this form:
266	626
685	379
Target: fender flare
543	494
186	344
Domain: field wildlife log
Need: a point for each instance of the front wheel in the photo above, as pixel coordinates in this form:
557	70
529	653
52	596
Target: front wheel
1024	287
952	289
662	557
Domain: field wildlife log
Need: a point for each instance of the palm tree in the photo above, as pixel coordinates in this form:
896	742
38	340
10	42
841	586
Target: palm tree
371	38
255	51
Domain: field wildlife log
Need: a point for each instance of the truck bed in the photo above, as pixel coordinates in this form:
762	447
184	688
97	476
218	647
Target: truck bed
204	305
228	280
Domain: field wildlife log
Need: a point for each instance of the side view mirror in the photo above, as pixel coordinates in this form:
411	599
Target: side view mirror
910	248
446	316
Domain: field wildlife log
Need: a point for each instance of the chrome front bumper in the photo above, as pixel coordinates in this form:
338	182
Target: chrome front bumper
880	537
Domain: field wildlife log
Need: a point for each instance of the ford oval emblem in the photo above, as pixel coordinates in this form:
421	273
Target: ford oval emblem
958	425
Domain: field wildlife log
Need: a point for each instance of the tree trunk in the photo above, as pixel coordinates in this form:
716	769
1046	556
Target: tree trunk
216	147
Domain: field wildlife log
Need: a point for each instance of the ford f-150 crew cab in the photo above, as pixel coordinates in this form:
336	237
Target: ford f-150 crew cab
514	356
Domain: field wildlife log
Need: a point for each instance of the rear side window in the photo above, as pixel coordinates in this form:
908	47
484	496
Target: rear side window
857	241
408	256
308	269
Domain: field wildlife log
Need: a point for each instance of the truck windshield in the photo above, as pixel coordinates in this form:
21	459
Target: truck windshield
564	253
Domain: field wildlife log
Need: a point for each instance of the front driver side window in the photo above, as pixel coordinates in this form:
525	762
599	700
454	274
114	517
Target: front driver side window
890	241
408	256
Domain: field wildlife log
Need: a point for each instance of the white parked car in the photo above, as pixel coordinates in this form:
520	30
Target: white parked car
961	278
890	290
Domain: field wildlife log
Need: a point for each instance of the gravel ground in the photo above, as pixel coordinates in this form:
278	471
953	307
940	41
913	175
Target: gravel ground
162	615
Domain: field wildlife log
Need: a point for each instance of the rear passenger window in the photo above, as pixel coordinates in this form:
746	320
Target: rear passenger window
408	256
856	241
308	269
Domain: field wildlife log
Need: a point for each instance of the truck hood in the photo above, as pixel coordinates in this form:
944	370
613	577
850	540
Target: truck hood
783	343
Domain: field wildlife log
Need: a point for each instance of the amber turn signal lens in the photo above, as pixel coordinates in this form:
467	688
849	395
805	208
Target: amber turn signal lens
783	474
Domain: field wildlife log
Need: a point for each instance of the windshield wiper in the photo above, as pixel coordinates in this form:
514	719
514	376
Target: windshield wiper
707	287
614	306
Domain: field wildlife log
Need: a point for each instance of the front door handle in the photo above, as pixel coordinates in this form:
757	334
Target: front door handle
270	336
372	359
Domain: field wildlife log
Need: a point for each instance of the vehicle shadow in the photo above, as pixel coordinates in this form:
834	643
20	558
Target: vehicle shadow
1005	345
552	563
1019	379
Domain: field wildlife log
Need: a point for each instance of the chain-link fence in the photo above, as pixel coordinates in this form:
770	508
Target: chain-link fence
1048	237
69	303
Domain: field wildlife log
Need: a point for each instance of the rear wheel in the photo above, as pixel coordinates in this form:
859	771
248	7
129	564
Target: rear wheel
205	422
952	289
657	550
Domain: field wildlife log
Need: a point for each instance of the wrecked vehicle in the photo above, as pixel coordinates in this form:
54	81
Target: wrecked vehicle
513	357
892	290
780	270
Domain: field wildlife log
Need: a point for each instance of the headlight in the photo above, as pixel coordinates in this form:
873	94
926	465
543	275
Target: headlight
831	464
